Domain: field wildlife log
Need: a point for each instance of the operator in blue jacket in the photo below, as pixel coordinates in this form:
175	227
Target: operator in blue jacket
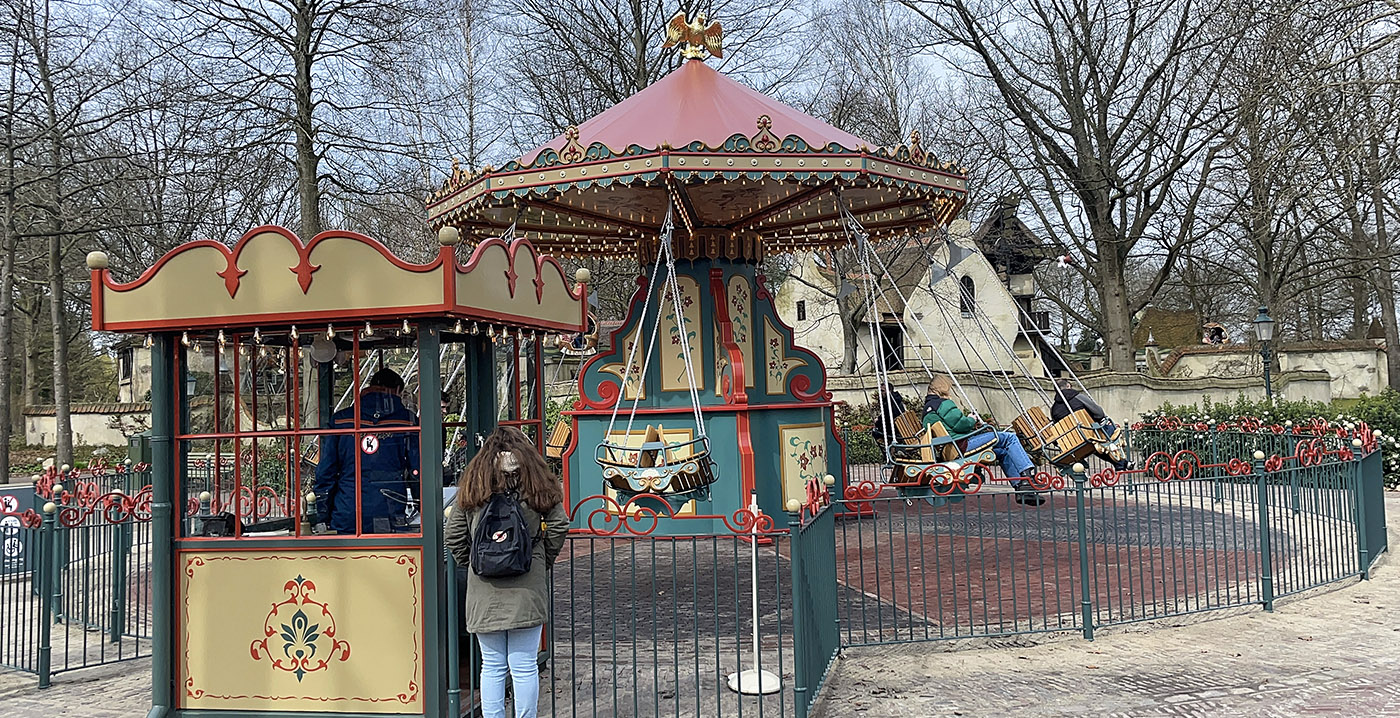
388	459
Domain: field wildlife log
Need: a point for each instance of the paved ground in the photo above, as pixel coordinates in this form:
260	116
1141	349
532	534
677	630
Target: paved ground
1328	653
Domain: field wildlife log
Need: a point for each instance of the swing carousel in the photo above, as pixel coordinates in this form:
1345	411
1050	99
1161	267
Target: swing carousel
925	458
700	398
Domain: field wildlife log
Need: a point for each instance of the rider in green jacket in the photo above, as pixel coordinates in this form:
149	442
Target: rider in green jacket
940	407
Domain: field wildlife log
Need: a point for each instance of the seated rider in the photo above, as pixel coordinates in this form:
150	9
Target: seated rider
971	431
388	459
889	405
1069	400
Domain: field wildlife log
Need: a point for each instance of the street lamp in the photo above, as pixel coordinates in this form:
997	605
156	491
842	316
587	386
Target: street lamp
1264	329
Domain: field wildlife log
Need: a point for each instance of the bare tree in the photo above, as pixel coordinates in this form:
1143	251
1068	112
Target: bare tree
313	79
568	61
1111	123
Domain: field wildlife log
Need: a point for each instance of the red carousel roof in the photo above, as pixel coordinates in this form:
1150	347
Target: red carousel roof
745	173
695	103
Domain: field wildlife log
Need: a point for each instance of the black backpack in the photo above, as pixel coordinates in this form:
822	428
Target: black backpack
502	545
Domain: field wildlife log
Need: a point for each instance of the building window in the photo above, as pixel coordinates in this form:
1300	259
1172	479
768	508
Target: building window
124	361
967	297
801	311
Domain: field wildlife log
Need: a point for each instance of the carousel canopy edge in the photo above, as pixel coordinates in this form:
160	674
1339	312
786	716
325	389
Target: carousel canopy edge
269	277
789	157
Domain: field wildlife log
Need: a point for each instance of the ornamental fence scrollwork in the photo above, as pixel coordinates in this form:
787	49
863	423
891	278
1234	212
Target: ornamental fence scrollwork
642	514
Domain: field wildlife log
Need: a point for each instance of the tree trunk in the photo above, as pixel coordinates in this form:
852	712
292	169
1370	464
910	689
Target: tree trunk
308	162
1117	317
31	352
1384	282
63	427
1360	303
850	339
63	424
10	238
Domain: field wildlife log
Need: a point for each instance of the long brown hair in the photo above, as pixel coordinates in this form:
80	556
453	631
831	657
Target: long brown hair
941	386
536	486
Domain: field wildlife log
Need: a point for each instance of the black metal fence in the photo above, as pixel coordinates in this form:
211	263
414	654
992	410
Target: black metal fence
76	592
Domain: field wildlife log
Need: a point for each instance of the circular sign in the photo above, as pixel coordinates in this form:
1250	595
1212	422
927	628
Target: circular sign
13	547
369	444
9	504
9	522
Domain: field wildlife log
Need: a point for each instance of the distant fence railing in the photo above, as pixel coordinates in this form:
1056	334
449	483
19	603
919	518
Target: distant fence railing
75	591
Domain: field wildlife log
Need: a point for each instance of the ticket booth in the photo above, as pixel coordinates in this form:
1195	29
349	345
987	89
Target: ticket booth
298	488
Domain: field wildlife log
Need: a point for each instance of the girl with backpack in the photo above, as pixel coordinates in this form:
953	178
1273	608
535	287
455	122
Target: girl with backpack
508	524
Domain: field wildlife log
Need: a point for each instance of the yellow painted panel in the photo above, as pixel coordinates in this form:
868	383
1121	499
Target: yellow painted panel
740	296
348	275
777	366
487	287
313	630
673	370
804	457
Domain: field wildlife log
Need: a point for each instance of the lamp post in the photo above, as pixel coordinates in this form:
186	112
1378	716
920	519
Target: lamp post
1264	329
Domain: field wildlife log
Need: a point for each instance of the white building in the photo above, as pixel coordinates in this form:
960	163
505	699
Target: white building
933	316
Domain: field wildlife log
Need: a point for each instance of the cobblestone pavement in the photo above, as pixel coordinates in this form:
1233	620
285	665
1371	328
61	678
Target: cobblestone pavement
1332	652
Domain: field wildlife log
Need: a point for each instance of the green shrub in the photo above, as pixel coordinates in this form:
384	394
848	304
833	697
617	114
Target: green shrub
1380	412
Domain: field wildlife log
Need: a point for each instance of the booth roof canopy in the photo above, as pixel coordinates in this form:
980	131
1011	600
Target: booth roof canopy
746	174
269	278
695	104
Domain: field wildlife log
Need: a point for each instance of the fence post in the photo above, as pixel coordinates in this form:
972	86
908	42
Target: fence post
117	621
1085	597
799	612
1358	498
57	559
46	565
1266	557
454	633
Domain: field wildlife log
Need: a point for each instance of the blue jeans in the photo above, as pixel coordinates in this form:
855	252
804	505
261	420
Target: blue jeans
1009	451
510	652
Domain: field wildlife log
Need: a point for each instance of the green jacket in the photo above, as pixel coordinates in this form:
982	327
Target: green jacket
503	604
947	412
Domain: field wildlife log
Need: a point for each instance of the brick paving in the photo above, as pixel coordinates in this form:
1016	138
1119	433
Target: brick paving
1330	652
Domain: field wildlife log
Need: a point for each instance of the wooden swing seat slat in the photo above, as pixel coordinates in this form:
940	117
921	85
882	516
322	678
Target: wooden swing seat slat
558	439
1075	437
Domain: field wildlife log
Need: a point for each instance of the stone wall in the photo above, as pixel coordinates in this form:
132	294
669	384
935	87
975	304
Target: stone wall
96	427
1354	367
1125	396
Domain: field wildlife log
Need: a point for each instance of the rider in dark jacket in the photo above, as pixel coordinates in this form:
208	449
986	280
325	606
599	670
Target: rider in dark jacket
388	459
1069	400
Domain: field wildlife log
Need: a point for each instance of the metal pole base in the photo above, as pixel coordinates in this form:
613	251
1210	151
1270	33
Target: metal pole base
754	682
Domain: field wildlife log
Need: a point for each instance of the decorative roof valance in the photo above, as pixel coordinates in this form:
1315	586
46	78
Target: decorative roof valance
271	278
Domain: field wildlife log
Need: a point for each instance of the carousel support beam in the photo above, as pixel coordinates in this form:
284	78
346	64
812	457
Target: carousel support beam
806	195
430	486
165	394
581	213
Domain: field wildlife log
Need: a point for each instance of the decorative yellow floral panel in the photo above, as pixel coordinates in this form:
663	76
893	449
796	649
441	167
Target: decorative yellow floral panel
673	369
301	630
804	457
741	318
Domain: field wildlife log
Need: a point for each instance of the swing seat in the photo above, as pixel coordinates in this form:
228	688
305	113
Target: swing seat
1075	437
658	466
558	440
936	460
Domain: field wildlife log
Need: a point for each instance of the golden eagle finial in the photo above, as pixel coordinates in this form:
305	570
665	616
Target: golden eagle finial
694	38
